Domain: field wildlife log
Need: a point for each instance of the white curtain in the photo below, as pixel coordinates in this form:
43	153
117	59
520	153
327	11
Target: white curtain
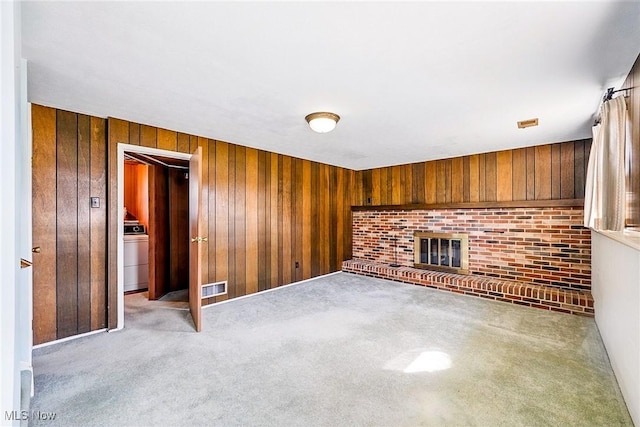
604	200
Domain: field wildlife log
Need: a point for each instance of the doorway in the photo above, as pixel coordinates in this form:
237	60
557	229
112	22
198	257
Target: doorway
156	227
170	181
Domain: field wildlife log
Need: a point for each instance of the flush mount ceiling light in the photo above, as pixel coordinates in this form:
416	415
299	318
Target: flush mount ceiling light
322	122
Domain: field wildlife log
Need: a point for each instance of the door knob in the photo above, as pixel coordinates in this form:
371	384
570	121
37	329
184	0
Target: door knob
36	250
199	239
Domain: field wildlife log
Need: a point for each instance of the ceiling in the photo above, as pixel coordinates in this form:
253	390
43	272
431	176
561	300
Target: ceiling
411	81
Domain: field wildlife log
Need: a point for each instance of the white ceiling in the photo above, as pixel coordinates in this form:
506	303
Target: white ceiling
412	81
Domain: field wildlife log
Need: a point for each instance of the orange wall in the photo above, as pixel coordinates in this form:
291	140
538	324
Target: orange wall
136	191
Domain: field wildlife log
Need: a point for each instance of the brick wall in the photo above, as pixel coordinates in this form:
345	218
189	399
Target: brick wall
545	246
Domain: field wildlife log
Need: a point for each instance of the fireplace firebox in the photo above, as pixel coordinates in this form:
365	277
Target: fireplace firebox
441	251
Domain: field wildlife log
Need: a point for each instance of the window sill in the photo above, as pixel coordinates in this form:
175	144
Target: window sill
629	238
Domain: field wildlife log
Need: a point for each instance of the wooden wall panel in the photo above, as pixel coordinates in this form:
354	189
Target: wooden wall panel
274	217
375	187
324	219
69	168
263	231
491	179
240	222
117	131
315	214
442	181
333	193
134	134
44	224
306	215
504	173
221	218
556	174
298	196
519	173
396	191
418	182
286	262
407	182
474	178
430	182
347	233
337	202
567	164
67	222
457	180
543	172
167	140
183	143
209	220
579	171
531	173
84	224
148	135
553	171
98	230
482	178
251	206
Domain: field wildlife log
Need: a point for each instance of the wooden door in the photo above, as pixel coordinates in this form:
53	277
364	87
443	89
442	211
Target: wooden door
197	239
158	232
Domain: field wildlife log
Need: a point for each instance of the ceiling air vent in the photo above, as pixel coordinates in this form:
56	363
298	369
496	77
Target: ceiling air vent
528	123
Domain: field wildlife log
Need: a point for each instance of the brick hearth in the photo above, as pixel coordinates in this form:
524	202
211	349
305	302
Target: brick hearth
532	295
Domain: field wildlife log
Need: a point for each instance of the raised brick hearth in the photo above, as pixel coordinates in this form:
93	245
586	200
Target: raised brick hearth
535	256
544	297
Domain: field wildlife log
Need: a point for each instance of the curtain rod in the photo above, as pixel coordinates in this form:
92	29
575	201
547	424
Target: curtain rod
607	97
610	91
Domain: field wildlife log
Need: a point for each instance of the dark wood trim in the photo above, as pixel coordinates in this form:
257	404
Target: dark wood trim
475	205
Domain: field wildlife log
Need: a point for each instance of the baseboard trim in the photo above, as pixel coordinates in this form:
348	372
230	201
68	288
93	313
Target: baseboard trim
73	337
270	290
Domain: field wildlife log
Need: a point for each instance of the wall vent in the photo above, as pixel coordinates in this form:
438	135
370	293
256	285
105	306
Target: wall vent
214	289
528	123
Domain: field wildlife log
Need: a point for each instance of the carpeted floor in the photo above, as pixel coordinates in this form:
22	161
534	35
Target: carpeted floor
338	350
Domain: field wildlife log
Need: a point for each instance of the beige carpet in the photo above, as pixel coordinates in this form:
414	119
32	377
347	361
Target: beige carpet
339	350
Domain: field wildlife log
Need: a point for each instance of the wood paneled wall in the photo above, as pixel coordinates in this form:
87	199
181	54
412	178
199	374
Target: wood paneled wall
545	172
633	180
69	275
270	219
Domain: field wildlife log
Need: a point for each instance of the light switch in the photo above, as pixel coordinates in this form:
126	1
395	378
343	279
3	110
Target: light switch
95	202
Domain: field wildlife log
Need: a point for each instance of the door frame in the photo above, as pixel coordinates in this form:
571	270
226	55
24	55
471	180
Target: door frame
25	229
122	148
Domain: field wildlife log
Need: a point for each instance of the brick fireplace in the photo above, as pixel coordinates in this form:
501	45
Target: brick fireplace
522	249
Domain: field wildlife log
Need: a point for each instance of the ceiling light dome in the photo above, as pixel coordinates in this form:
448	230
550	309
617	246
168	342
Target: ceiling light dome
322	122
